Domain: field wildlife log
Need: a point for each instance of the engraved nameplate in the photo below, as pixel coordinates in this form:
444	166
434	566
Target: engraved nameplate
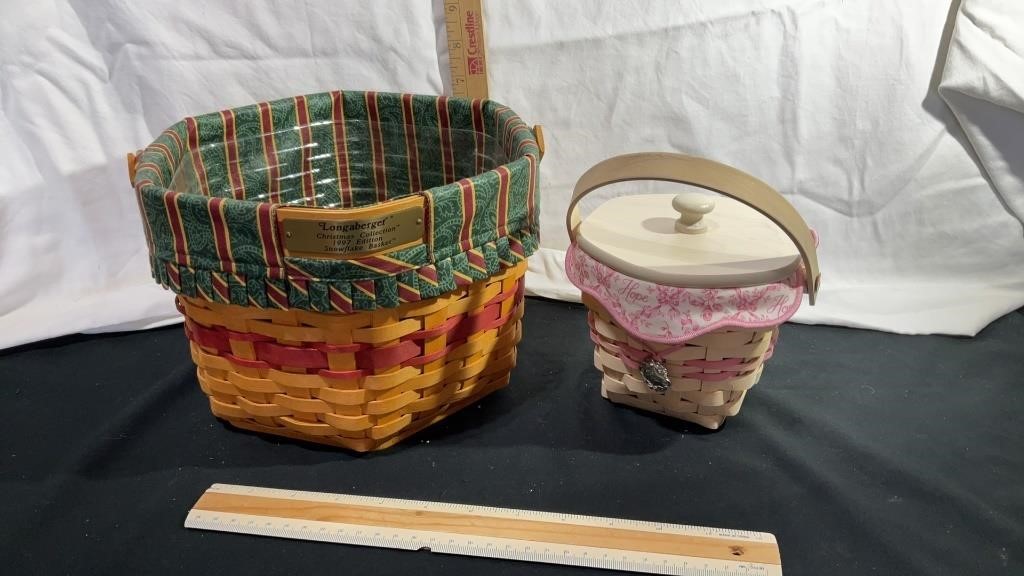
354	232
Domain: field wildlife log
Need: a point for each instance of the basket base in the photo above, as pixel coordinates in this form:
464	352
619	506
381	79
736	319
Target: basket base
361	444
648	403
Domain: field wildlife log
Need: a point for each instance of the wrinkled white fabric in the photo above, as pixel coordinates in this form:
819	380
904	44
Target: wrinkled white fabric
835	103
983	83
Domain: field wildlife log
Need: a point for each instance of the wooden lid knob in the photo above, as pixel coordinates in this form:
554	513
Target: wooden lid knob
692	207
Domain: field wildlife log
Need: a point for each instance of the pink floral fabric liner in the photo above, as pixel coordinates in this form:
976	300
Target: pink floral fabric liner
672	315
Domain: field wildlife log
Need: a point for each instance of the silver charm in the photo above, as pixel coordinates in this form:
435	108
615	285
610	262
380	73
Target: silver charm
655	375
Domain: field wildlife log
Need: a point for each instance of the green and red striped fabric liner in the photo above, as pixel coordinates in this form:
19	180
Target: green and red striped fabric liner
209	186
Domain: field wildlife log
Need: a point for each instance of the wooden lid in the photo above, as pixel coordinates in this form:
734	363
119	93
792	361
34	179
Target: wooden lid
693	240
712	247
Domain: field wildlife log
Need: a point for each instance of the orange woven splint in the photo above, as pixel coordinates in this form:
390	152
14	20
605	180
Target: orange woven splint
362	381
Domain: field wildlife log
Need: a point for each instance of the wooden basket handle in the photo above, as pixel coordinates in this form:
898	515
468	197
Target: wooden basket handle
728	181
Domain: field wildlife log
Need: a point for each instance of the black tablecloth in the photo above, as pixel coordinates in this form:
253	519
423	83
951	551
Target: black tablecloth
863	452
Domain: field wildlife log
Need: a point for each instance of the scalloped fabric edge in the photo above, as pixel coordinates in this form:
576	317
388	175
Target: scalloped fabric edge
673	315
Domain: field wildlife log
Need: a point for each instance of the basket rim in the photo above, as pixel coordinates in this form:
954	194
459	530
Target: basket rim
231	250
148	166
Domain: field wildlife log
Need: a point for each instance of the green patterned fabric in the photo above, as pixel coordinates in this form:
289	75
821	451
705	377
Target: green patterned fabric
210	186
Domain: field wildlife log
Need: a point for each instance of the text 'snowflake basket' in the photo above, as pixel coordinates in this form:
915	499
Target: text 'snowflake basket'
350	264
685	308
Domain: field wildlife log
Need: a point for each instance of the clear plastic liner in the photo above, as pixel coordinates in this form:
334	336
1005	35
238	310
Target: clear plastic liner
336	164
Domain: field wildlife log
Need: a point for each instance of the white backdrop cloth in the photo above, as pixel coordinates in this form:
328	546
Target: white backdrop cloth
837	104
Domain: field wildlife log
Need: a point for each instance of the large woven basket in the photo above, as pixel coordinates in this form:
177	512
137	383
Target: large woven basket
349	264
689	352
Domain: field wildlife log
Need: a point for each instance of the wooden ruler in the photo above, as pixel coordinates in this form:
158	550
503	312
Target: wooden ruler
467	48
629	545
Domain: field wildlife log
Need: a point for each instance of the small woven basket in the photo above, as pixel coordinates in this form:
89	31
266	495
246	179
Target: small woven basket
349	264
710	374
689	352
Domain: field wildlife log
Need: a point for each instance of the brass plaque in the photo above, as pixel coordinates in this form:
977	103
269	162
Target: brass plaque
341	234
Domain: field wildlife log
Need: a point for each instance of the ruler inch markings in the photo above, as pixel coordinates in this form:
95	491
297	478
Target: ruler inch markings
485	531
467	48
